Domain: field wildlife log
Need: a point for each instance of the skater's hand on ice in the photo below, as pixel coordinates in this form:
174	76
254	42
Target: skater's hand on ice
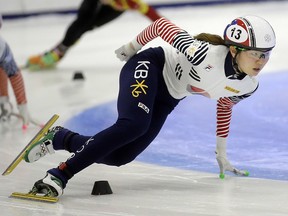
5	109
25	116
225	165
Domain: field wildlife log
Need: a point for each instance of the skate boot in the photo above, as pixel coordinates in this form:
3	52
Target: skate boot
50	186
47	60
42	147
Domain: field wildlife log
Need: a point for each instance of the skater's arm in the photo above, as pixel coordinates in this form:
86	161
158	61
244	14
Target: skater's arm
161	27
172	34
224	114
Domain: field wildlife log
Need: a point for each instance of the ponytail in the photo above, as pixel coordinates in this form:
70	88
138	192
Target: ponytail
210	38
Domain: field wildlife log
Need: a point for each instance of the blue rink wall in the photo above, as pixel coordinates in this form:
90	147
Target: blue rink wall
258	140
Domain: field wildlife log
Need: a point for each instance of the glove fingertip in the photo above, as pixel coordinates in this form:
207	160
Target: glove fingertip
222	176
24	127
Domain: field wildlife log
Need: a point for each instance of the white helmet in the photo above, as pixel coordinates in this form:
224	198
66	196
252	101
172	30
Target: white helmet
250	32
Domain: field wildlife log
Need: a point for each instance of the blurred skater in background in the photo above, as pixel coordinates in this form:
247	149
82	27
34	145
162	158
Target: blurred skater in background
10	71
91	14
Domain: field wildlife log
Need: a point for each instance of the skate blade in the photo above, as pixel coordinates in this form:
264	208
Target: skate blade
34	197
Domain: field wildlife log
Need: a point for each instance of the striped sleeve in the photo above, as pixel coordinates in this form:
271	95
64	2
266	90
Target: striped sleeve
161	27
224	112
195	51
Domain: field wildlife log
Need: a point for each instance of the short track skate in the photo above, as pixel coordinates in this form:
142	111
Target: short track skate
36	138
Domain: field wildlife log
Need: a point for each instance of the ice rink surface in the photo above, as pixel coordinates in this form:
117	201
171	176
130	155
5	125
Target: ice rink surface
154	188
